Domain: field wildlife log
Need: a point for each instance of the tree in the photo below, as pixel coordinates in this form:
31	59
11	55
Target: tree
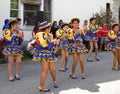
104	16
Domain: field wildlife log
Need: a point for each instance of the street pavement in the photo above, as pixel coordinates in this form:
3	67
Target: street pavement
101	79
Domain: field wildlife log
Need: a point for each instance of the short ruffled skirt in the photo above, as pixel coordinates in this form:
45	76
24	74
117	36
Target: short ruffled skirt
44	55
76	48
63	45
113	46
92	37
8	50
32	51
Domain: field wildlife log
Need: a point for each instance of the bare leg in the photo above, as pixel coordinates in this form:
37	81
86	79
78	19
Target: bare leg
81	58
45	68
18	64
10	66
114	59
118	53
53	72
96	49
91	49
66	58
62	59
75	58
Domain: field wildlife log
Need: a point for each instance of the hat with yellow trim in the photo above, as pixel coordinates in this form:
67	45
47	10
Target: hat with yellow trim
75	19
44	24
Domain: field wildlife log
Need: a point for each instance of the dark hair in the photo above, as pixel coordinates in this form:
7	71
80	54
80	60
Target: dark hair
13	22
75	19
18	19
64	25
114	26
54	23
36	26
60	21
6	21
91	19
85	21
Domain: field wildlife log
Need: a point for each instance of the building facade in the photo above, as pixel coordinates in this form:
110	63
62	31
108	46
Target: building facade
116	10
50	10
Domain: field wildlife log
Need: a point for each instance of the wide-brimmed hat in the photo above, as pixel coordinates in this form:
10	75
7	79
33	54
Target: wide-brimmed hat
44	24
75	19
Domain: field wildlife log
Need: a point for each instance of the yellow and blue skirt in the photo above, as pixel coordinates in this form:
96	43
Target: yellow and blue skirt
76	48
45	56
12	50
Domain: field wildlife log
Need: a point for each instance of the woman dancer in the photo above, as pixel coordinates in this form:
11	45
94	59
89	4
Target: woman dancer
45	55
63	45
114	37
76	47
92	30
13	39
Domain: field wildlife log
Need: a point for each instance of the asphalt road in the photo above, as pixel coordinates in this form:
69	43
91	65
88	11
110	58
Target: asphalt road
101	79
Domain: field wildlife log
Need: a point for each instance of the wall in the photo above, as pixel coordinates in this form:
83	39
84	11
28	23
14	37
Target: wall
115	10
4	13
84	9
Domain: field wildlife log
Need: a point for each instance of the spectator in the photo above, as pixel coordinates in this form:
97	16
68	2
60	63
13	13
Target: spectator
104	33
20	27
86	43
54	28
98	34
60	23
5	24
36	29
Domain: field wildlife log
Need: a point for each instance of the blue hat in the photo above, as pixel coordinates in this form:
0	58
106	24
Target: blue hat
44	24
6	21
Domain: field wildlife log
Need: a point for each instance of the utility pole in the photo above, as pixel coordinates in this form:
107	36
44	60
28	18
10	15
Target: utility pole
119	14
108	14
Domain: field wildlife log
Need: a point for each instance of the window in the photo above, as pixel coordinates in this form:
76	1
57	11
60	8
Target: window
47	10
119	14
30	13
14	8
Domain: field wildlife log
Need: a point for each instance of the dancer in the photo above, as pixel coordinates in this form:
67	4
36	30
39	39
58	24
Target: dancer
13	39
63	46
92	30
76	47
114	37
45	55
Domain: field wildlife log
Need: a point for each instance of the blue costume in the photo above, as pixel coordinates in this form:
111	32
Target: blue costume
114	41
76	43
12	43
45	48
63	40
6	24
90	33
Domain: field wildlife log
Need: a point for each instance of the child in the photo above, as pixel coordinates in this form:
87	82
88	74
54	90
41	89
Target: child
63	45
114	37
45	55
76	47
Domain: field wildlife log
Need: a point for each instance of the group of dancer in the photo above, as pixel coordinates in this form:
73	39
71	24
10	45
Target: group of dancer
69	39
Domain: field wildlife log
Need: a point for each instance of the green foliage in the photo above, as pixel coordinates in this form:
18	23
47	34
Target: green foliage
26	55
104	17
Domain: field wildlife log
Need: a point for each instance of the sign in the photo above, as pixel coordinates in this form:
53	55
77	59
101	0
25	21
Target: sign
32	2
